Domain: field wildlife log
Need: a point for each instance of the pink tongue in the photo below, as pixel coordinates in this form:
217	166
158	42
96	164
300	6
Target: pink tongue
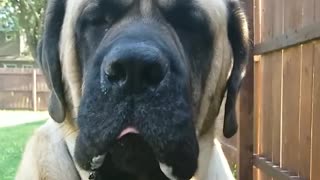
128	130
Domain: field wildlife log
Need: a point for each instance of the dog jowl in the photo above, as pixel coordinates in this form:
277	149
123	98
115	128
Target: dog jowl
142	80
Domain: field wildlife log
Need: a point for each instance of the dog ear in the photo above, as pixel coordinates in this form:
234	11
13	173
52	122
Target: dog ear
238	38
48	58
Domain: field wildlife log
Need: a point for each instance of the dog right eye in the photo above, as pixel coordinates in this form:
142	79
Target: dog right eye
92	15
101	21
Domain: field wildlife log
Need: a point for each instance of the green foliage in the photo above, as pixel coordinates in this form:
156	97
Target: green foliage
234	170
7	21
12	143
25	16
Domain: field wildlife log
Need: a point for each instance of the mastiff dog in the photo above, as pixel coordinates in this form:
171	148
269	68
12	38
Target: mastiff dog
136	86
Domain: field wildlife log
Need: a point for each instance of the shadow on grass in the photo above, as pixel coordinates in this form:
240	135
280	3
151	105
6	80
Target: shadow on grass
12	143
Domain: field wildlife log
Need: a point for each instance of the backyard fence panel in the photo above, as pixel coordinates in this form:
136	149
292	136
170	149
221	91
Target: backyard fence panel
22	89
288	68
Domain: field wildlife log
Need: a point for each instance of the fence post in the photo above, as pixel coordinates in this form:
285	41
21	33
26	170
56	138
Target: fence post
34	89
245	159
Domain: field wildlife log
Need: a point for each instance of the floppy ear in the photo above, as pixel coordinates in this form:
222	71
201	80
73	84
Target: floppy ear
238	38
48	58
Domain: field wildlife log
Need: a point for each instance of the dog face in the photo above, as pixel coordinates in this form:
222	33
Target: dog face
142	80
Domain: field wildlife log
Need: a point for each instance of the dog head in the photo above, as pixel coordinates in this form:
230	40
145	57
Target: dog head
141	80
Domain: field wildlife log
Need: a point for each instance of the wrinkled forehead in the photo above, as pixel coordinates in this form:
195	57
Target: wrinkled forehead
216	10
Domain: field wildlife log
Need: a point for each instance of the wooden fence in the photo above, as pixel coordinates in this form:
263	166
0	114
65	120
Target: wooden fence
22	89
287	88
279	136
284	82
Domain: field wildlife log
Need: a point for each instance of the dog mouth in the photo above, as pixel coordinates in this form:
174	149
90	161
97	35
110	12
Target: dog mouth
126	131
130	157
156	145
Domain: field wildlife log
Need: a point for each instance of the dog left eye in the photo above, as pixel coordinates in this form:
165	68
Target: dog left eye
99	20
94	16
108	20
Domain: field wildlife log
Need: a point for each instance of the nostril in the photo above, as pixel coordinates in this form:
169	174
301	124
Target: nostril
153	73
116	73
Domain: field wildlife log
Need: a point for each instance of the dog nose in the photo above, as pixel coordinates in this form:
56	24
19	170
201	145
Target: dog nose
136	69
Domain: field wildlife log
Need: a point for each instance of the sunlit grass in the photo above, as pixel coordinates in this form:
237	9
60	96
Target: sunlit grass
12	142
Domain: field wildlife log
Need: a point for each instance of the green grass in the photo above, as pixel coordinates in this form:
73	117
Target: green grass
12	143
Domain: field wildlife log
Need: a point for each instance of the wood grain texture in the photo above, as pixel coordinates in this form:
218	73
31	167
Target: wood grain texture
245	171
266	150
257	22
276	101
290	116
306	85
257	111
315	157
267	7
290	38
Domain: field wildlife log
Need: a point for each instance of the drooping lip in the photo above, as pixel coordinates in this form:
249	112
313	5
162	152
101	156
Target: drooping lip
128	130
97	161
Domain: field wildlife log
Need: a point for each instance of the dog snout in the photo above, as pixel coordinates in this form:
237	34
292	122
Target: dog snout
135	67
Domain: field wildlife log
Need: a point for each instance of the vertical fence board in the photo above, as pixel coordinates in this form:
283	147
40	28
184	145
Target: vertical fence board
316	106
278	17
292	15
316	10
263	133
278	21
257	109
257	21
266	150
245	171
315	164
306	85
316	116
308	15
267	17
306	109
267	14
267	125
291	92
34	90
291	89
276	100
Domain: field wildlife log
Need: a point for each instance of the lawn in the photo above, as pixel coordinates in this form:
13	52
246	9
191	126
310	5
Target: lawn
12	142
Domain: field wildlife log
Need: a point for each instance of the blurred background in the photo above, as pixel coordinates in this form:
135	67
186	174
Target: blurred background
23	91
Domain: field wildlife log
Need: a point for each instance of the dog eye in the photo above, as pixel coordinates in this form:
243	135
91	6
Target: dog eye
108	20
95	16
99	20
